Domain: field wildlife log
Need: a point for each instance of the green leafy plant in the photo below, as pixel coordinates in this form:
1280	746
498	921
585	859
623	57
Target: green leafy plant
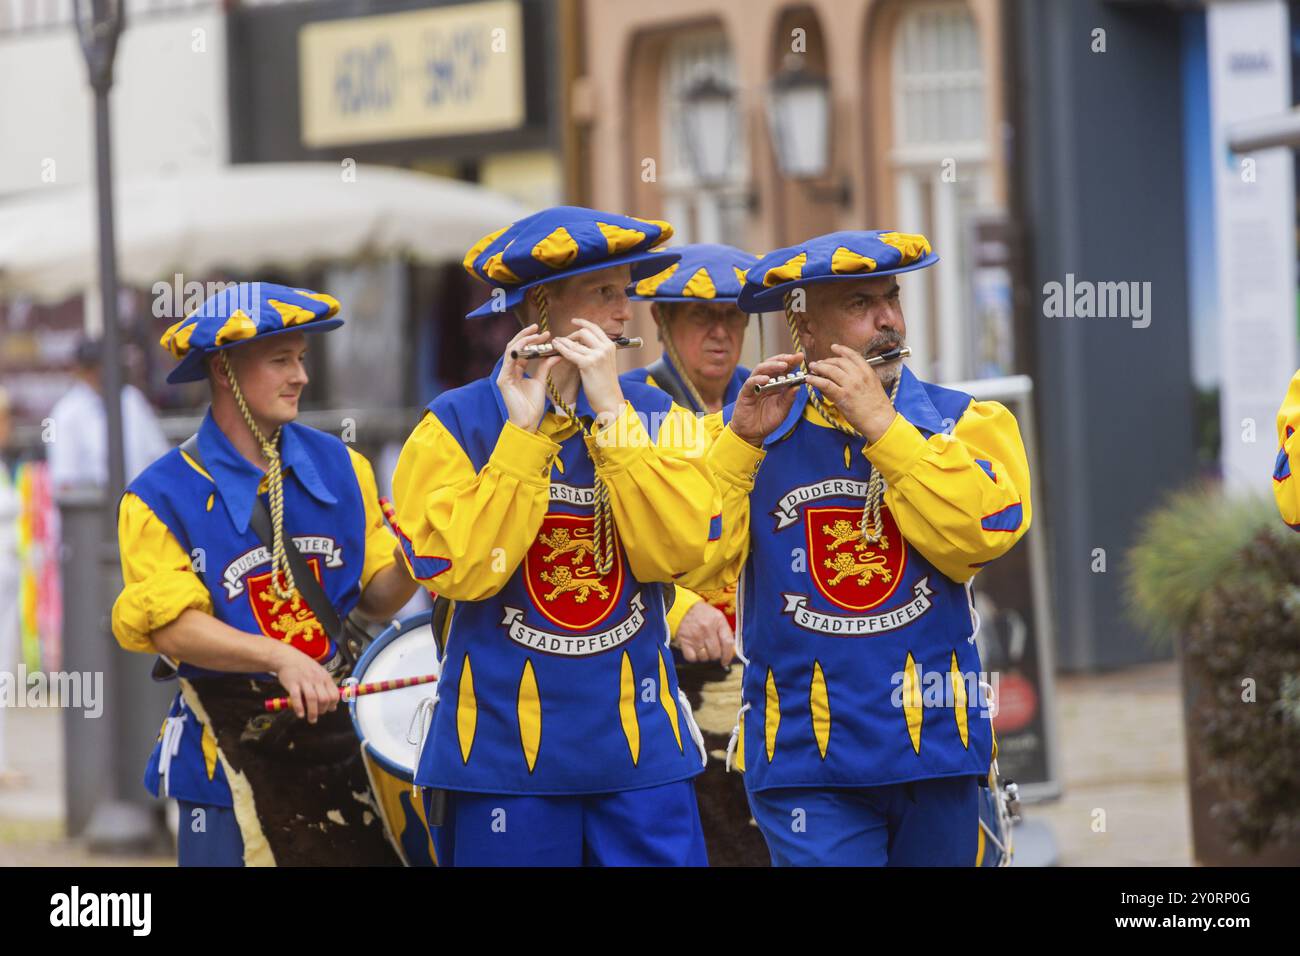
1222	576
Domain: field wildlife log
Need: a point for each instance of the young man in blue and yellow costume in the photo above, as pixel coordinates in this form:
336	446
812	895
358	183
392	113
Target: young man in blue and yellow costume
554	509
702	330
1285	490
871	499
223	607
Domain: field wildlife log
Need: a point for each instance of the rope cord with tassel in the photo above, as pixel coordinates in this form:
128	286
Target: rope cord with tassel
873	529
280	569
666	336
604	514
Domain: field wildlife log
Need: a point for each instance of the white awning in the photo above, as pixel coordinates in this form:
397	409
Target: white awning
241	220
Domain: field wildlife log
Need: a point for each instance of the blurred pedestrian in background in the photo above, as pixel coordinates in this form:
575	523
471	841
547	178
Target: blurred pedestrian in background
78	447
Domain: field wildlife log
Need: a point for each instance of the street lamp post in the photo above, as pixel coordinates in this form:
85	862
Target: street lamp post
97	781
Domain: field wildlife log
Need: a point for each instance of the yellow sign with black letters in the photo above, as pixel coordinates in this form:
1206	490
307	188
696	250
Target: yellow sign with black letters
449	71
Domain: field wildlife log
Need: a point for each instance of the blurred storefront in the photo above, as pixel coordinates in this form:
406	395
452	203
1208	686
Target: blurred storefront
760	123
469	91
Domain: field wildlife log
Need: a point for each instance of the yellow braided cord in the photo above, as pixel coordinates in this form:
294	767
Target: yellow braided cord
275	488
872	525
603	513
676	359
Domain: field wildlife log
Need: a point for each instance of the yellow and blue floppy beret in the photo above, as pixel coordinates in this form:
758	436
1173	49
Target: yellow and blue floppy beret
853	254
239	314
705	272
564	241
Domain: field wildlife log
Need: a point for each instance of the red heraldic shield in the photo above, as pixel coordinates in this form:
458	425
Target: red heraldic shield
291	620
560	569
848	571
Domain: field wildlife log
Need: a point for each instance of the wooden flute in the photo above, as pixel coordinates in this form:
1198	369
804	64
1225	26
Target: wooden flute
547	349
799	377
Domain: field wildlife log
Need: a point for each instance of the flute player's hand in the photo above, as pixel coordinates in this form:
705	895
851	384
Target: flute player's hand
757	416
855	388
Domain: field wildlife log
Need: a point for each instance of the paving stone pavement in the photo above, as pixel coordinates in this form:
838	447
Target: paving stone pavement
1121	753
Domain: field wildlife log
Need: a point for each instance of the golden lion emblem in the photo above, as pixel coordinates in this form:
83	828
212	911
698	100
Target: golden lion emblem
847	565
565	580
297	621
561	542
842	532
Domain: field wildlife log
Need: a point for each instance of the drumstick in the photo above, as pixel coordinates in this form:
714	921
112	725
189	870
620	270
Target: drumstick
349	691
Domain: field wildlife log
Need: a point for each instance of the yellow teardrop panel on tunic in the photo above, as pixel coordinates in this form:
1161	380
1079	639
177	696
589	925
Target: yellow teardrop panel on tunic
847	458
912	705
820	704
209	745
466	711
627	708
959	702
771	715
530	715
666	699
740	743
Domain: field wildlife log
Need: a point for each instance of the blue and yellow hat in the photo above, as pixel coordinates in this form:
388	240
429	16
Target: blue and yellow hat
239	314
564	241
705	271
853	254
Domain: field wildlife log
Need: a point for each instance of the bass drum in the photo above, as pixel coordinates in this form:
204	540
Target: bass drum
388	726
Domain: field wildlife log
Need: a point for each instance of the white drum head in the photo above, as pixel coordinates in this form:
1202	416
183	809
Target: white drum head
384	719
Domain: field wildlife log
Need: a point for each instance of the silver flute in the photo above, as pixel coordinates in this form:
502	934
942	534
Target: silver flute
547	349
799	377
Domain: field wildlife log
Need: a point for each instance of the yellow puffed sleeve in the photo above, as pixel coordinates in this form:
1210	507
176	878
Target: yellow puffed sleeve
665	502
683	601
734	463
160	583
961	499
379	540
463	533
1285	490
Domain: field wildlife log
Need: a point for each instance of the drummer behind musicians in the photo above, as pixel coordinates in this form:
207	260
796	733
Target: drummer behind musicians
873	500
554	508
702	330
203	590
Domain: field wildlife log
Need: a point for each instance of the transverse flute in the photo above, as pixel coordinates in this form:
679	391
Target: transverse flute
799	377
547	349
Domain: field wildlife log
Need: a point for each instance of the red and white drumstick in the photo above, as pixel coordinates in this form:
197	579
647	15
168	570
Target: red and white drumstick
350	691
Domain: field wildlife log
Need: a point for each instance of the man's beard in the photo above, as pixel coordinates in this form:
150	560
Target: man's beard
887	341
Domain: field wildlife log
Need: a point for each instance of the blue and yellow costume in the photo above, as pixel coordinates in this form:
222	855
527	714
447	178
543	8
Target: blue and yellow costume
863	729
1285	490
706	272
187	542
559	731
